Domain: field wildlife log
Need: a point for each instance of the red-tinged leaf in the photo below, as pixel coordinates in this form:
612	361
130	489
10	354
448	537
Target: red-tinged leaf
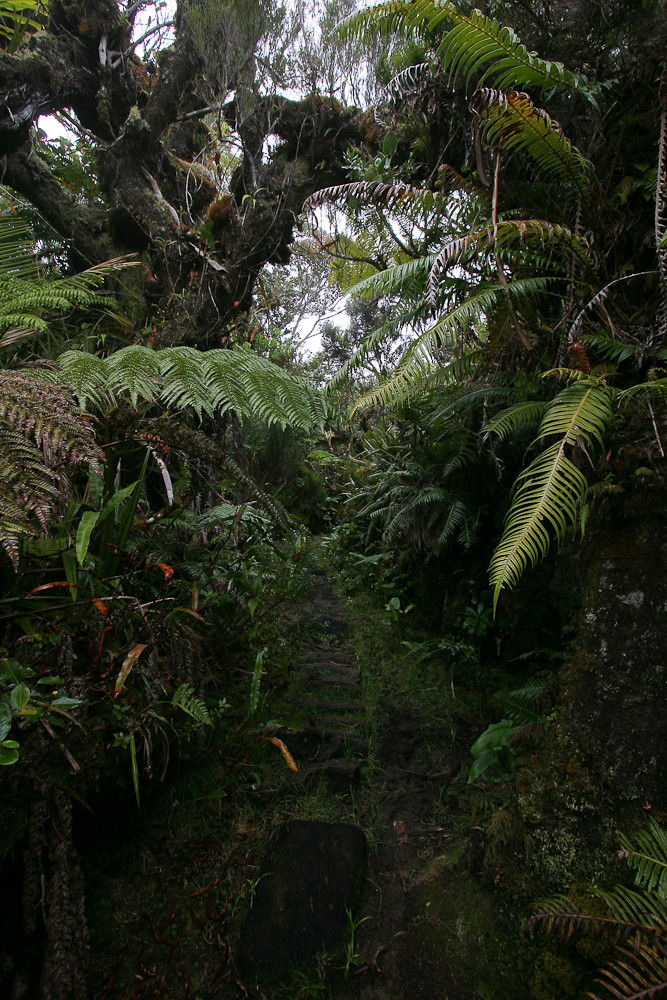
47	586
166	569
239	514
102	607
128	663
289	760
98	656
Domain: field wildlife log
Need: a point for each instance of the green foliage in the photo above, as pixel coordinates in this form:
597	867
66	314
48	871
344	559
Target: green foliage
472	45
207	382
16	19
635	920
21	704
491	747
647	855
550	491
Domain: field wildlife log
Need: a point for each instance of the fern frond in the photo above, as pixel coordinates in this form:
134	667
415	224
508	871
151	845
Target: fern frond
515	416
550	490
507	233
17	249
639	972
475	44
647	853
185	699
426	351
548	493
510	121
27	490
49	416
409	81
26	300
206	382
581	410
385	196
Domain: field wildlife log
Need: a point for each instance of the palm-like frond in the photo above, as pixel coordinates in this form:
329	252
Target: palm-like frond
647	854
474	44
510	121
549	491
208	382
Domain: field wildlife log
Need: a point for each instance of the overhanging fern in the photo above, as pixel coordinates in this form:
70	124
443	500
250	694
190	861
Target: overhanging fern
510	121
207	382
549	492
474	44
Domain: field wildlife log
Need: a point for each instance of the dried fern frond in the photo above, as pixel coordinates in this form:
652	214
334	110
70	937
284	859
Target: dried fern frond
49	416
41	431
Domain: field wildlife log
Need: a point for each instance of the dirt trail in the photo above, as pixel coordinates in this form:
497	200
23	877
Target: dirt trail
395	961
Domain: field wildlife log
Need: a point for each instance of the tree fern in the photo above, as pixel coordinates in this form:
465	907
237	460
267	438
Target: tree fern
548	493
474	45
207	382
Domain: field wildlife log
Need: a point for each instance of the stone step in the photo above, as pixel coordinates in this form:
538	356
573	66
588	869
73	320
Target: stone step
314	705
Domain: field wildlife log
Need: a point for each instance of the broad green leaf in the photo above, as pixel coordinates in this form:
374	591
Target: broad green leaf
9	753
20	696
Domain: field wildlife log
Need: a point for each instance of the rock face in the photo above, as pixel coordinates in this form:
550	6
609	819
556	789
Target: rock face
619	693
311	874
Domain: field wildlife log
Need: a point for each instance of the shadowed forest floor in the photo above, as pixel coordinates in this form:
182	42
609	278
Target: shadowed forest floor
169	889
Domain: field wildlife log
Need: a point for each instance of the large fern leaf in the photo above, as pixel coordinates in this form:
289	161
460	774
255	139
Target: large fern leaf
436	346
474	45
208	382
549	491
